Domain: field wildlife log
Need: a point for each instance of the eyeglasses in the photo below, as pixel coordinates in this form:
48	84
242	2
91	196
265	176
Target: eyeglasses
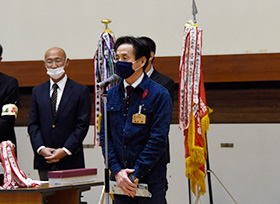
56	61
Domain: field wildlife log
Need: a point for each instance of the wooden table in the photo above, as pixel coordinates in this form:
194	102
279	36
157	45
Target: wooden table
45	194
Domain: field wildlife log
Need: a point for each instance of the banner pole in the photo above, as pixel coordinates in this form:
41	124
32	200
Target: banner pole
208	173
190	193
106	173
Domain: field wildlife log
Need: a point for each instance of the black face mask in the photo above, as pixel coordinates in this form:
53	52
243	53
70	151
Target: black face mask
124	69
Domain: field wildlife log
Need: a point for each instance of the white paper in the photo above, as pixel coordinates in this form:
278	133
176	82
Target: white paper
142	189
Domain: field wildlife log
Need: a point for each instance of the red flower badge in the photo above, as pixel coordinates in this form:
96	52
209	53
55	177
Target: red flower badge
145	94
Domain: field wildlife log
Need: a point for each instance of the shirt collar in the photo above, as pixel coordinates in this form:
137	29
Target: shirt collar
150	72
134	84
61	84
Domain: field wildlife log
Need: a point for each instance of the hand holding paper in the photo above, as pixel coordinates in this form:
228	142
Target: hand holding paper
124	183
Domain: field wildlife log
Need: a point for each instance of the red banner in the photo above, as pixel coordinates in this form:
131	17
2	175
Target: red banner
193	112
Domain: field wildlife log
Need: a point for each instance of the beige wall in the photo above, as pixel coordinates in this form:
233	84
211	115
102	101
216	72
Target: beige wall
29	27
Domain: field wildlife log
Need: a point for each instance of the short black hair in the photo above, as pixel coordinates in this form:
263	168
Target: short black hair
140	48
150	43
1	50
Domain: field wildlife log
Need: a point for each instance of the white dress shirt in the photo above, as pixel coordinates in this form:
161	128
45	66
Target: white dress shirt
134	84
150	72
61	85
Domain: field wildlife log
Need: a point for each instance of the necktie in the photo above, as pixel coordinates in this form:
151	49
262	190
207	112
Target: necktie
53	99
127	100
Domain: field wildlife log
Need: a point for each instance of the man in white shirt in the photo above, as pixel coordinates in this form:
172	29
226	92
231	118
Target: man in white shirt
59	118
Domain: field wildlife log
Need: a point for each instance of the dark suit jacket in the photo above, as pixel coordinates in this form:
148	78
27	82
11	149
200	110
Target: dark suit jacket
68	129
165	81
168	83
9	94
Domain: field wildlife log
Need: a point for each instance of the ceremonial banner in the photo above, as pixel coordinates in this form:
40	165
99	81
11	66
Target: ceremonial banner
14	177
193	113
103	69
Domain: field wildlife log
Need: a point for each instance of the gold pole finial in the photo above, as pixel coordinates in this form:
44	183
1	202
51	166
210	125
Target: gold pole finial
106	21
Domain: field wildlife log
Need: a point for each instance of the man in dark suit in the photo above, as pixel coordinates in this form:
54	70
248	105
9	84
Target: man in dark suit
151	71
59	118
9	101
158	77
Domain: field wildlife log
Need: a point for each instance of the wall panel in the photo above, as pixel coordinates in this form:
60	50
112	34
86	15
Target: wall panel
239	88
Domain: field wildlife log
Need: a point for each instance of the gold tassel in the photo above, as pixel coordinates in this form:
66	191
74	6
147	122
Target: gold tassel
99	121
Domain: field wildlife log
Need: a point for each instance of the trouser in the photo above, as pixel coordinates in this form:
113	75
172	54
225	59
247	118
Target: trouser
1	179
158	191
43	174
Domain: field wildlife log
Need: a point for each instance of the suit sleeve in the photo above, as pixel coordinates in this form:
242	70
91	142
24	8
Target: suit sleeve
11	97
34	124
75	139
170	88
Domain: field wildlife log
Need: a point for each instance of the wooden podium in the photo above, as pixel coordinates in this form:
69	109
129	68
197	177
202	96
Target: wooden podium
45	194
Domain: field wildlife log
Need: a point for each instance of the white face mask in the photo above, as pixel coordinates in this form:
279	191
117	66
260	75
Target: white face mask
55	73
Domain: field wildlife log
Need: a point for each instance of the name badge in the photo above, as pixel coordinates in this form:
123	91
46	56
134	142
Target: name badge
139	118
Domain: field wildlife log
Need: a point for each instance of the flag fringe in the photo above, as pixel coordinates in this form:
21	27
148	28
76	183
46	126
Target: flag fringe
196	160
196	176
205	123
197	153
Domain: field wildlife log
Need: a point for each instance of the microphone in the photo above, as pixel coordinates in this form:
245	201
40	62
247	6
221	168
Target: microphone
111	79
